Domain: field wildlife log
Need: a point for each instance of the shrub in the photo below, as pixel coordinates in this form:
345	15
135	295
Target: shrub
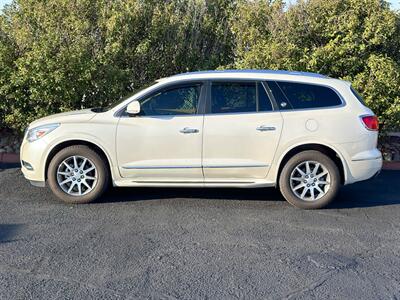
59	55
353	40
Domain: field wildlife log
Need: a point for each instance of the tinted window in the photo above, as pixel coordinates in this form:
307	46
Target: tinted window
264	104
300	95
280	98
231	97
181	100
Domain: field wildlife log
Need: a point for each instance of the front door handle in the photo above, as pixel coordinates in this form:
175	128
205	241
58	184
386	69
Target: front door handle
188	130
266	128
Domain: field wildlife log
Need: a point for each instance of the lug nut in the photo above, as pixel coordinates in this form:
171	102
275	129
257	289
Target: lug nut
82	176
73	178
81	172
79	180
313	184
308	185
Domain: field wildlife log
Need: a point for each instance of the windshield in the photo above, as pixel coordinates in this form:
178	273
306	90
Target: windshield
112	105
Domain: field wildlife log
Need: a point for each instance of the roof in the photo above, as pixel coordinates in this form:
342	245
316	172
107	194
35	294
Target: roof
256	72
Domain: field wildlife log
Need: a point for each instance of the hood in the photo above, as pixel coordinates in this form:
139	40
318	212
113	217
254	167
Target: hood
75	116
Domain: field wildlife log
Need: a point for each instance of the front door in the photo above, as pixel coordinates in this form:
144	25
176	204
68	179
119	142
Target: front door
163	143
241	132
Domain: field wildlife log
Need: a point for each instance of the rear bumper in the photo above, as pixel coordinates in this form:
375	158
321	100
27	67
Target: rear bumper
364	169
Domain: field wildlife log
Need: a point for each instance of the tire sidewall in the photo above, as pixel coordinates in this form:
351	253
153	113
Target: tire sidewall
284	180
84	151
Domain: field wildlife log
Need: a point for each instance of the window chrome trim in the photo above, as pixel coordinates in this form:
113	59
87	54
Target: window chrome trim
206	100
242	113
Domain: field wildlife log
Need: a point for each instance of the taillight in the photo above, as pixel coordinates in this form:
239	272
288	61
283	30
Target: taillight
370	122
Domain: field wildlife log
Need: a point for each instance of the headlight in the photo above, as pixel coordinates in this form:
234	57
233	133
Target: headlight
39	132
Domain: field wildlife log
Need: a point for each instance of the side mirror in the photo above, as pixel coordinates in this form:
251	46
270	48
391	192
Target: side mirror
133	108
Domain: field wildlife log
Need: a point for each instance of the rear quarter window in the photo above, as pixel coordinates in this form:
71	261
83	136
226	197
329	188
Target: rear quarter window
303	96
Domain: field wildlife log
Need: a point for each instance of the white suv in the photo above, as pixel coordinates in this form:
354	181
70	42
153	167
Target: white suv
302	132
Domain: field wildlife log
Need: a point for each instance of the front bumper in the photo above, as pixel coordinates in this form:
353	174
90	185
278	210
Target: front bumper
38	183
33	161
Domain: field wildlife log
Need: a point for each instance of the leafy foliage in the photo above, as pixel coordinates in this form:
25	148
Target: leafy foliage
355	40
59	55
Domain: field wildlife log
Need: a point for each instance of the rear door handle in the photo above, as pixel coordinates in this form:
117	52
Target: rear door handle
266	128
188	130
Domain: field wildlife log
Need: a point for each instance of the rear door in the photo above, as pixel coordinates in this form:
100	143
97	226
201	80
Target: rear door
241	131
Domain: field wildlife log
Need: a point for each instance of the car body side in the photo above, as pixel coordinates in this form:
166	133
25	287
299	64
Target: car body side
336	128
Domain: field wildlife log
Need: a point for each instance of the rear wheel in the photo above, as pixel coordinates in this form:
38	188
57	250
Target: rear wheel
310	180
77	174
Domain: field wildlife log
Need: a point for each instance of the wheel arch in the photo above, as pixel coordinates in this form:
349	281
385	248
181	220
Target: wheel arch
327	150
63	144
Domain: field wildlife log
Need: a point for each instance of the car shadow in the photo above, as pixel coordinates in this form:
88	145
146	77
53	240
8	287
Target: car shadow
5	166
145	194
380	191
8	231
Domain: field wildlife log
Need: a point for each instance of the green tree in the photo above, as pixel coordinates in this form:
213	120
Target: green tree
59	55
356	40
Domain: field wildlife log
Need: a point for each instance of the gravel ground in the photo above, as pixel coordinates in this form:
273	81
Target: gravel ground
194	243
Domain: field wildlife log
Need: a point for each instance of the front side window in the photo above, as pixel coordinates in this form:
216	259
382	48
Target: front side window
180	100
235	97
301	95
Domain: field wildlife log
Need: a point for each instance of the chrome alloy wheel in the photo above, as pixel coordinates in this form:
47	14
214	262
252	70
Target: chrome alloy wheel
310	180
77	175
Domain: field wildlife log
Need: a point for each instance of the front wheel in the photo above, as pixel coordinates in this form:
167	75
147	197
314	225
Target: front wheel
77	174
310	180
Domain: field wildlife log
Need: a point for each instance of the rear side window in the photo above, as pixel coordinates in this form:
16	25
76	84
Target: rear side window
301	95
264	103
234	97
280	98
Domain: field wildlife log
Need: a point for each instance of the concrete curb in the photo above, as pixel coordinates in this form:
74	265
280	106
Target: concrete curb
13	158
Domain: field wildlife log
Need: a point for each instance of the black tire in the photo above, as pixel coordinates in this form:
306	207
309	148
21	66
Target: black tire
314	156
103	176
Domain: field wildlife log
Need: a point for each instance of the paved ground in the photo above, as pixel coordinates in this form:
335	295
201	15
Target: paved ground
192	243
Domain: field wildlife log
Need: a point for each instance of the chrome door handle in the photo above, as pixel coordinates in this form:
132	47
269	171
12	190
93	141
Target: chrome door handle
188	130
266	128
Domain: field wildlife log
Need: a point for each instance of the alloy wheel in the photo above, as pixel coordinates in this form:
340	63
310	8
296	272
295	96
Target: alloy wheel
77	175
310	180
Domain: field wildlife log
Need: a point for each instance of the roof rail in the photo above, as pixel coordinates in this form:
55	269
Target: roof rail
281	72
